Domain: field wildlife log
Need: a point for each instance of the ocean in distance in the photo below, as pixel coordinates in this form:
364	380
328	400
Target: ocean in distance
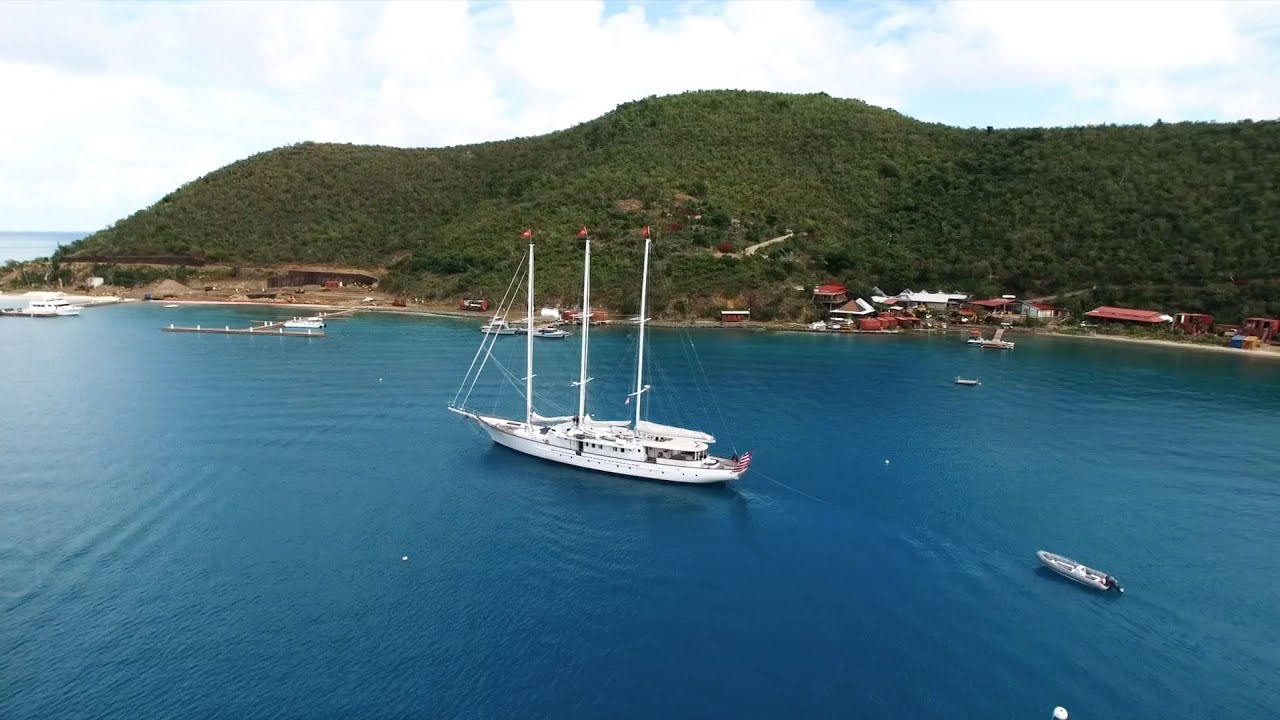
32	245
213	526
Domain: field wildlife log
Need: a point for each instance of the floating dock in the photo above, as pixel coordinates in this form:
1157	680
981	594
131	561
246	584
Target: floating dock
274	329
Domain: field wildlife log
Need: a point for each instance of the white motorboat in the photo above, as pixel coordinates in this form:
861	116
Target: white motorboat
966	381
48	307
497	326
997	341
311	323
634	447
1082	574
546	331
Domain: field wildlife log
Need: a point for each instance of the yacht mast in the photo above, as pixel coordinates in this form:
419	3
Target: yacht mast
586	325
644	297
528	351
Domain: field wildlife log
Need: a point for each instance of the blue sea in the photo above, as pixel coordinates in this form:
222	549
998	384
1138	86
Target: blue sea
32	245
213	526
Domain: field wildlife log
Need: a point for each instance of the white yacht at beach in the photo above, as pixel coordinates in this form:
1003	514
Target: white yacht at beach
633	447
45	307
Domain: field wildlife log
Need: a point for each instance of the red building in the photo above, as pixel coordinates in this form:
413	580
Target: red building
832	295
480	305
735	316
1108	314
1193	323
1266	329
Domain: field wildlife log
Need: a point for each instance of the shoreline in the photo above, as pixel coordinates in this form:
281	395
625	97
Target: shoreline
1268	352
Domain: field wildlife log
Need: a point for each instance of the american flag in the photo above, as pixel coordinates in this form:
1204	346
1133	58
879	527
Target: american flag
743	462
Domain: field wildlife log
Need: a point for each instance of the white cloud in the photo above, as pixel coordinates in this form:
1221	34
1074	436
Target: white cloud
108	106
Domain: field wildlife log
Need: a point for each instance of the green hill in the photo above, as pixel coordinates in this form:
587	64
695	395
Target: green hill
1185	214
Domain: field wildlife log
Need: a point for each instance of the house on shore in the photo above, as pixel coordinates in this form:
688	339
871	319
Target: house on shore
1107	314
995	306
852	310
1009	305
909	299
1265	329
831	295
1039	310
734	316
1193	323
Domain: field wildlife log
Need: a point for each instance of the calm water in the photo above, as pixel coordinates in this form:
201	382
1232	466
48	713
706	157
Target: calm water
210	526
32	245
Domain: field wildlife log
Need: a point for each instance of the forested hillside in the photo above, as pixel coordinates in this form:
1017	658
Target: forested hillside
1187	212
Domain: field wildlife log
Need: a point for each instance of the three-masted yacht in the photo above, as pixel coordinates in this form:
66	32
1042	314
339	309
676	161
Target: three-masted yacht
634	447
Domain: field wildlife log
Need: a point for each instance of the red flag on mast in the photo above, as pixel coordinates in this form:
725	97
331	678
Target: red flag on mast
526	234
646	231
583	231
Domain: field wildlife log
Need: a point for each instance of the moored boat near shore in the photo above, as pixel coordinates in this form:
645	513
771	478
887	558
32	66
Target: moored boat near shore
46	308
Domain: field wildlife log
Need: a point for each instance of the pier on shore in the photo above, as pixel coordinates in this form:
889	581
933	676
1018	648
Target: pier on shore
274	329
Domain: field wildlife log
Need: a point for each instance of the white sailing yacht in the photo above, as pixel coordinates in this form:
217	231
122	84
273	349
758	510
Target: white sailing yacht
634	447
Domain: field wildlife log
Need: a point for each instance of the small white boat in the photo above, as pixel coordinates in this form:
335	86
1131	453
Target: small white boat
311	323
1082	574
550	332
964	381
53	307
497	327
171	305
997	342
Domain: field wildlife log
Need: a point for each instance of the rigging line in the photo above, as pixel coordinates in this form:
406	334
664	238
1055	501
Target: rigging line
517	383
666	409
697	387
714	403
487	336
683	335
622	358
490	337
798	492
487	346
511	355
683	416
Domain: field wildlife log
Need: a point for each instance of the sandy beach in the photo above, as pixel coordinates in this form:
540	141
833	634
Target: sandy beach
1270	352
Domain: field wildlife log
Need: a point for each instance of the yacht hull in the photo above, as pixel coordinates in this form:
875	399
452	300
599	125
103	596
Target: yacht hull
547	450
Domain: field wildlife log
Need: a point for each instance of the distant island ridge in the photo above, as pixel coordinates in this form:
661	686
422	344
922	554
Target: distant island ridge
1176	217
25	245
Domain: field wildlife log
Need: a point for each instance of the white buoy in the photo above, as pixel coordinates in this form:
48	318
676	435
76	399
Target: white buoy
886	462
379	379
405	558
1059	713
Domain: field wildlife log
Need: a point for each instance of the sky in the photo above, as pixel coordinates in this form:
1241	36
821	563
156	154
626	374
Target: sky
105	107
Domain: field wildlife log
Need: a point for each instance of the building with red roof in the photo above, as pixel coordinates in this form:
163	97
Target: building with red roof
832	295
1266	329
1115	314
1040	310
1193	323
995	306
